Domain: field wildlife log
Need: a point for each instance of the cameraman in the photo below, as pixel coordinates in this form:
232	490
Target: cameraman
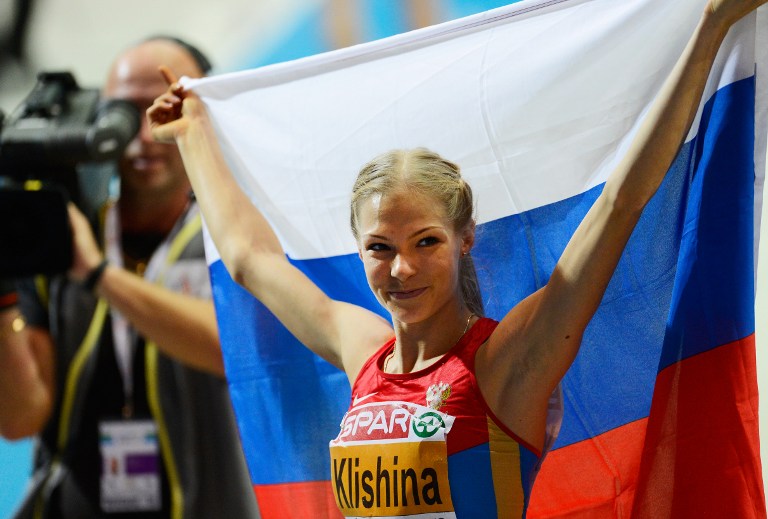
117	366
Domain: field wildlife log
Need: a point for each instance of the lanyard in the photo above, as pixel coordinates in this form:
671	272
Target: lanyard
124	335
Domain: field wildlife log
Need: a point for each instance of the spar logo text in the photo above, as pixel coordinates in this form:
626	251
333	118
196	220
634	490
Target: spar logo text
392	422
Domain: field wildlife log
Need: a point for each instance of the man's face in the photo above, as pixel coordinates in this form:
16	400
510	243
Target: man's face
148	168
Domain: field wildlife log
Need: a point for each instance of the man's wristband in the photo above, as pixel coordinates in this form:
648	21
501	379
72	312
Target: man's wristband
8	300
8	295
94	276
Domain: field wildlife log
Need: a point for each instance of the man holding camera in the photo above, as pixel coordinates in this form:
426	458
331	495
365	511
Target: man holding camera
116	366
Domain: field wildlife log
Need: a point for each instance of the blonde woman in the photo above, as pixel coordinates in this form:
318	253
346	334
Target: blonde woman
453	388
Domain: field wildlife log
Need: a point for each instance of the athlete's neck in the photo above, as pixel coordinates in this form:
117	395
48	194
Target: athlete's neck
419	345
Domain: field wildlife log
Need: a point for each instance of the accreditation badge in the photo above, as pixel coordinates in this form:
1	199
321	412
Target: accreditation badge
130	473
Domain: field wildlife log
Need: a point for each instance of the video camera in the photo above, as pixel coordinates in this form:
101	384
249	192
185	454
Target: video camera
56	129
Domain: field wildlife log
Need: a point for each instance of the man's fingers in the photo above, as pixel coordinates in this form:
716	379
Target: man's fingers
169	77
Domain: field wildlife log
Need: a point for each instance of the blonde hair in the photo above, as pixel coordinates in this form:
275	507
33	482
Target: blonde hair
428	173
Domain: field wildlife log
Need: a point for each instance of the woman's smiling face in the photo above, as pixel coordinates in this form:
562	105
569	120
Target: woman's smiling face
410	253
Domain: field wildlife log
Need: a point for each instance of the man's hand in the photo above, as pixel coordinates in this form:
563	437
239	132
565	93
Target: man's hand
86	255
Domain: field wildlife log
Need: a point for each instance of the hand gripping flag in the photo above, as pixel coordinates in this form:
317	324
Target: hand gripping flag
537	102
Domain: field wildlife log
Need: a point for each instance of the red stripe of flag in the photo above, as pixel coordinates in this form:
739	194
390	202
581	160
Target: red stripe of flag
591	478
702	453
300	500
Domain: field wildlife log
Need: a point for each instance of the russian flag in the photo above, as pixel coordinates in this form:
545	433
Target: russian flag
536	101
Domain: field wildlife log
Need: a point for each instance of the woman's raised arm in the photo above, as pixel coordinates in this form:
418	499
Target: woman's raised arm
249	247
536	343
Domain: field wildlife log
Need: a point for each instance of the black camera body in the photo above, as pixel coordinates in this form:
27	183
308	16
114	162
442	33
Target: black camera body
56	129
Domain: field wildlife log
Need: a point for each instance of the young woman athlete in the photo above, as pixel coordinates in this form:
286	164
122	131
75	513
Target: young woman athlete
449	408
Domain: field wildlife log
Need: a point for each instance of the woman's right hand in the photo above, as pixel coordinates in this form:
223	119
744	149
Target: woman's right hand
729	12
171	114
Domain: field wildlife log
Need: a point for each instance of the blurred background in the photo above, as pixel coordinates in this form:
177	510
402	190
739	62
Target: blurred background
82	36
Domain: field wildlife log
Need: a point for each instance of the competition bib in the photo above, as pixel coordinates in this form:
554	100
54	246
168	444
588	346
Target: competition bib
390	460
